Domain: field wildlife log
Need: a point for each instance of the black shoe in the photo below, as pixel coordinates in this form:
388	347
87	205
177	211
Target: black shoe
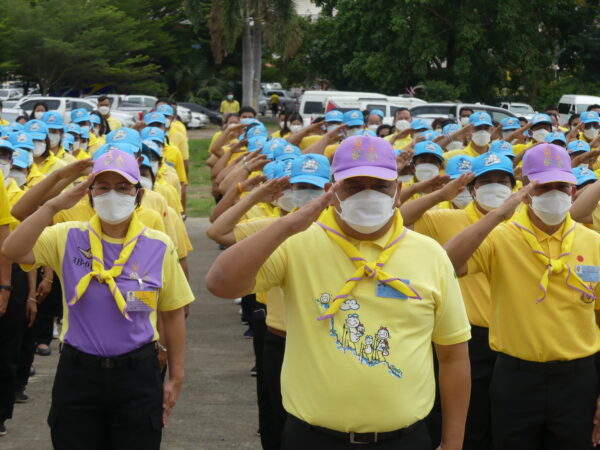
21	397
248	334
43	351
32	371
2	429
253	372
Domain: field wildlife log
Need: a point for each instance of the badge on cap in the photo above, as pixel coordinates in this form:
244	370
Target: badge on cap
354	115
288	149
21	137
153	132
491	159
119	134
310	165
551	158
34	127
431	146
464	165
510	122
79	113
51	118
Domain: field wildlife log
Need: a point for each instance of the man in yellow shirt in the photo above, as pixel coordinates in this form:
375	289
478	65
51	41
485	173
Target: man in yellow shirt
543	269
351	374
481	123
104	105
229	105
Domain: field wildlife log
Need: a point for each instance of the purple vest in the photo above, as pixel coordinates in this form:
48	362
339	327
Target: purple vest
95	324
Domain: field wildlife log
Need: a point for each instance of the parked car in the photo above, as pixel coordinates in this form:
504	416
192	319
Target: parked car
432	111
214	116
287	103
575	104
199	120
146	100
10	94
10	114
122	108
520	109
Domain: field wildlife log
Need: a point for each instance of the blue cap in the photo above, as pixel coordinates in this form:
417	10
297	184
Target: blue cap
256	131
80	115
510	123
270	145
122	146
589	117
20	139
429	148
256	143
311	168
126	135
67	141
5	143
153	133
270	170
151	146
85	132
95	119
155	117
502	148
73	128
457	165
556	136
430	135
578	146
354	118
489	162
53	119
21	158
14	126
450	128
284	167
284	152
146	162
165	109
37	129
582	173
377	112
334	116
420	124
479	118
541	118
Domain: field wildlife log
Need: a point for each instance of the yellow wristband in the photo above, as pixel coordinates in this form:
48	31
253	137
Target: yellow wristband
240	188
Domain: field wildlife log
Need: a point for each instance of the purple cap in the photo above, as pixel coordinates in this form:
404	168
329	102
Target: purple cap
119	162
364	156
548	163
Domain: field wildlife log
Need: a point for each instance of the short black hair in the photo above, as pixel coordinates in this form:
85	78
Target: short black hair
104	97
249	109
163	100
591	107
572	118
551	108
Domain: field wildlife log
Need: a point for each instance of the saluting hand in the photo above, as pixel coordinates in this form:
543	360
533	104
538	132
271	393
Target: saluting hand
508	208
76	169
305	216
433	184
456	186
271	190
586	158
70	197
403	159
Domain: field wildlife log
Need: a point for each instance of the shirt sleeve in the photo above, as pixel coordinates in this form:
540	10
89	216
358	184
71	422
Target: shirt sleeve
451	321
481	259
273	271
175	292
5	217
424	225
49	248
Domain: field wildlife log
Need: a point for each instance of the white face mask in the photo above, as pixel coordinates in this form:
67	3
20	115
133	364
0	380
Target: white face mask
481	137
373	128
154	165
75	146
367	211
295	128
113	207
591	133
462	199
492	195
303	196
426	171
83	146
38	115
551	207
352	132
405	178
332	127
167	123
19	177
54	139
104	110
286	201
402	125
96	131
539	135
282	124
39	147
146	183
5	168
464	121
455	145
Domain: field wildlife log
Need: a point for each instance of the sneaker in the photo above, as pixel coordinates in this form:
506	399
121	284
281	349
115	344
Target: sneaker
2	429
55	331
43	351
253	372
248	334
237	301
21	397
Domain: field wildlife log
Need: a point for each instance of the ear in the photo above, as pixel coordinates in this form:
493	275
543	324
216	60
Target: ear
573	191
397	202
140	195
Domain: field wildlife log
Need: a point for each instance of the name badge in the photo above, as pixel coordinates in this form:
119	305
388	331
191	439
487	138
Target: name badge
386	291
591	274
141	301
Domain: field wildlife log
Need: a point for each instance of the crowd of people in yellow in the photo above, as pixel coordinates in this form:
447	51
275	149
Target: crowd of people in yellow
426	285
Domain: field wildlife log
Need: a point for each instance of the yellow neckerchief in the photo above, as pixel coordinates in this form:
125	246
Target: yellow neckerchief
99	272
48	163
473	214
557	266
363	268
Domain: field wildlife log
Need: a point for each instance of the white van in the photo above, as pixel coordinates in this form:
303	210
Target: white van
575	104
313	103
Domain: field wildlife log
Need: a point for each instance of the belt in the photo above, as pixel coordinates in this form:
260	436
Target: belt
128	359
359	438
549	367
277	332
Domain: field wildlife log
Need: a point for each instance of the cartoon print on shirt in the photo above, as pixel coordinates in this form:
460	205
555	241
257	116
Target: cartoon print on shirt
382	347
353	331
366	348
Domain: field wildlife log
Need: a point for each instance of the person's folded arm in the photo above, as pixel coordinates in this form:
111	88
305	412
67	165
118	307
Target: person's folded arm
583	207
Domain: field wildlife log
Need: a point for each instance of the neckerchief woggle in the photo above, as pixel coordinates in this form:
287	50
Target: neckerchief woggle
99	272
364	269
556	266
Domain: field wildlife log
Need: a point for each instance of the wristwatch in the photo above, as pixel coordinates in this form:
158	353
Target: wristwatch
6	287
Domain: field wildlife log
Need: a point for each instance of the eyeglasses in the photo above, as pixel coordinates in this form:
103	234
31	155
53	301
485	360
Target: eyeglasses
120	188
591	125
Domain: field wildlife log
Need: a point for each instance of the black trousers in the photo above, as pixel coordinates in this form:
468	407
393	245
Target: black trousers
50	308
543	406
12	328
96	408
478	431
259	328
298	435
274	350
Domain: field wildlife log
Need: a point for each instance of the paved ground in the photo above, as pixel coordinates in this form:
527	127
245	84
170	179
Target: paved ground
217	407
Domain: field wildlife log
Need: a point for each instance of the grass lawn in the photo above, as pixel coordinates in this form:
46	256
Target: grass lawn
199	199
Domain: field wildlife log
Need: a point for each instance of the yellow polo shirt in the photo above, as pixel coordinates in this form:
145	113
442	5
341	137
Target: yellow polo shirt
33	177
5	217
330	150
50	164
560	327
168	175
65	156
442	225
178	137
309	140
113	123
468	151
172	156
170	195
261	211
383	379
400	143
14	193
229	107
